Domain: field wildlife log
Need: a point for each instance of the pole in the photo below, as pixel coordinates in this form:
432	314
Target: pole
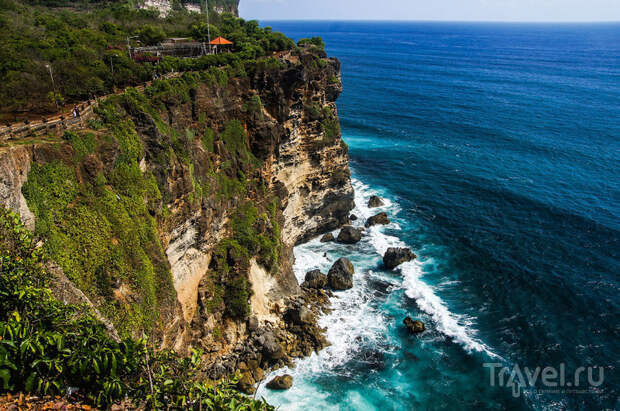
49	67
208	26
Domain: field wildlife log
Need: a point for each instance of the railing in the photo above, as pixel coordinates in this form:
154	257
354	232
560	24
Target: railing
56	126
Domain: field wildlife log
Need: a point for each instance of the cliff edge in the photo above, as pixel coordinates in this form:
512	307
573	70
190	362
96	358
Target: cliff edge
176	209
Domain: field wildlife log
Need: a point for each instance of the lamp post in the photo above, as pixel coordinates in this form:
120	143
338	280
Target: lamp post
49	67
208	25
129	45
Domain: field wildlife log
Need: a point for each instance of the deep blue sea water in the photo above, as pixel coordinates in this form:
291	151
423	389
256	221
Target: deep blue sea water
497	147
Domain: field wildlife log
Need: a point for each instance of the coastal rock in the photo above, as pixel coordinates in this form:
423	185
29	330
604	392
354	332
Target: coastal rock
246	383
281	382
299	315
349	235
327	238
271	349
353	217
394	257
252	324
375	201
315	279
414	326
380	218
340	276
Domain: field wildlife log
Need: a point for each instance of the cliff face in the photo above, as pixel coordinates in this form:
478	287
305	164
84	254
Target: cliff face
178	213
220	6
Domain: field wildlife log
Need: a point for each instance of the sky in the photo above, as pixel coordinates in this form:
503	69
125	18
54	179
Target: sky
447	10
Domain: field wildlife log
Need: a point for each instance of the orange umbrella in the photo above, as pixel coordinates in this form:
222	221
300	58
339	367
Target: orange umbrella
220	41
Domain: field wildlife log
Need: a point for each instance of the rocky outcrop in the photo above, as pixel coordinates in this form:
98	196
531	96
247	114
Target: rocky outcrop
166	6
375	201
340	276
414	326
14	169
329	237
308	160
394	257
379	219
349	235
315	279
281	382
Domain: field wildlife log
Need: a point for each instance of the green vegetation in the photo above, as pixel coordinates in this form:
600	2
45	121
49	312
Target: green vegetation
47	346
101	230
100	222
313	42
85	48
253	235
330	125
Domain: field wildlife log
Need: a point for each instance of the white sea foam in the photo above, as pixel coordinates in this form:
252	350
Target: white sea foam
455	326
452	325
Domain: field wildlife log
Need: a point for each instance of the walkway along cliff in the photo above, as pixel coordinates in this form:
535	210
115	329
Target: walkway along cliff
176	212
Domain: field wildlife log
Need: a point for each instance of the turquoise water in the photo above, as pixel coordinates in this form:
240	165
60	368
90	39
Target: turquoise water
497	148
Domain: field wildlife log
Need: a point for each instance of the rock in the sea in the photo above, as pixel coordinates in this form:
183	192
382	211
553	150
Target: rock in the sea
315	279
353	217
340	276
380	218
349	235
414	326
281	382
327	238
375	201
394	257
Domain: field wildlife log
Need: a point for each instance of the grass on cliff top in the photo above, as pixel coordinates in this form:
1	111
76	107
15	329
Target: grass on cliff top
47	346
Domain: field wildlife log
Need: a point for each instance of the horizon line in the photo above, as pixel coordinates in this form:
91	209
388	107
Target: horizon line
442	21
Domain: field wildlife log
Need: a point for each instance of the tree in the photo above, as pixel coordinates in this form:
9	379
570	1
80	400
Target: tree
150	35
200	32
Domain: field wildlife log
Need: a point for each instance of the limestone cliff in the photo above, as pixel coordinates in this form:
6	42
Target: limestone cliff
176	212
165	6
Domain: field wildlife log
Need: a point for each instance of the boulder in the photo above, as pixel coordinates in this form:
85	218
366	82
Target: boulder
380	218
340	276
246	384
281	382
349	235
374	202
252	324
315	279
353	217
414	326
394	257
327	238
299	315
271	349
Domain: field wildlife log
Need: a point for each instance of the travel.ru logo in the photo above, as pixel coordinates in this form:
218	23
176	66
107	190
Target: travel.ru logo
554	380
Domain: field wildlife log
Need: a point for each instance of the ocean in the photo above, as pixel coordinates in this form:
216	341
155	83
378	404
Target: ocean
497	149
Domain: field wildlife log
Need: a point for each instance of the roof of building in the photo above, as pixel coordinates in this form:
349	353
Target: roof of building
221	41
